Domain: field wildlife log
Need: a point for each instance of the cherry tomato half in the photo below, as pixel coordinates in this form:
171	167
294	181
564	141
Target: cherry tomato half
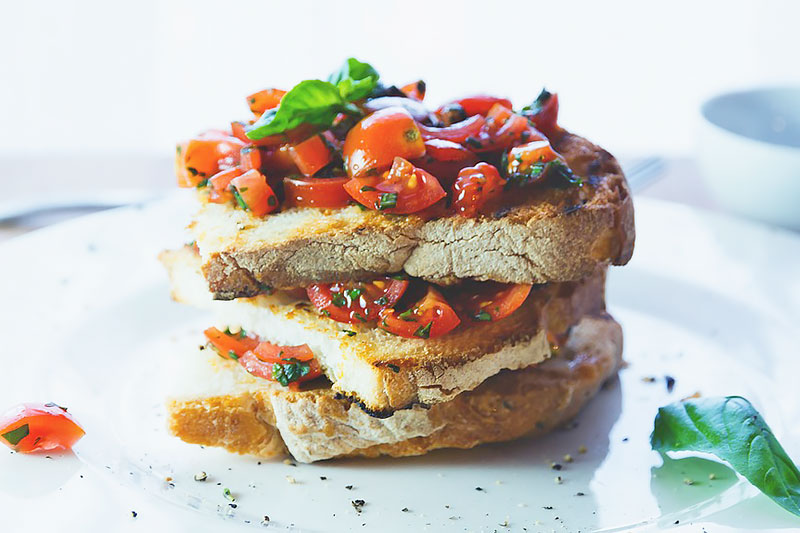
479	104
205	155
253	194
310	155
263	100
457	133
316	192
430	317
444	159
355	302
489	301
405	189
415	90
475	186
373	143
545	114
31	427
230	345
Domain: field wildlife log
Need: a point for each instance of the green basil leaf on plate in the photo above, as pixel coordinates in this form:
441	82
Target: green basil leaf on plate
731	429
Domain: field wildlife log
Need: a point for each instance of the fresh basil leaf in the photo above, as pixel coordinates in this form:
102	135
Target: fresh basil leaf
291	370
354	80
561	175
537	104
731	429
14	436
309	102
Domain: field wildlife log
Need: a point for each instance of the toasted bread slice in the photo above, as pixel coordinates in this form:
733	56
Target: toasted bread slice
547	234
248	415
384	372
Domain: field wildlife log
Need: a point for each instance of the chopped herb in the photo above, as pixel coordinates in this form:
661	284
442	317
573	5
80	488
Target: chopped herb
670	383
562	175
134	514
411	135
386	200
358	505
349	487
233	355
290	371
14	436
193	171
353	294
472	142
272	201
325	312
202	183
349	333
483	316
424	332
383	300
359	317
227	493
367	188
338	299
537	105
239	199
408	316
394	368
400	277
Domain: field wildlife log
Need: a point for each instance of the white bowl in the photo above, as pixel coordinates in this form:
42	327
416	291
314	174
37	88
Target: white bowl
749	153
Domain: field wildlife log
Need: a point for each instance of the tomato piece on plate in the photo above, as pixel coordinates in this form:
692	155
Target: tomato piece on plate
230	345
316	192
311	155
477	105
373	143
444	159
543	112
219	191
474	187
489	301
288	371
205	155
253	194
263	100
354	302
430	317
415	91
405	189
457	133
32	427
526	162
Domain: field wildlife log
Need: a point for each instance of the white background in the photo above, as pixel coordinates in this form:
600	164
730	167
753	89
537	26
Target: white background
83	77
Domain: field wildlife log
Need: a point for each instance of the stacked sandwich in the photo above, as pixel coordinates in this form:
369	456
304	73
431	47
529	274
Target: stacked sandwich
389	278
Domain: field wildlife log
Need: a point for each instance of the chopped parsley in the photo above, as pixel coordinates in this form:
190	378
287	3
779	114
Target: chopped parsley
14	436
290	371
424	332
349	332
394	368
338	299
202	183
233	355
408	316
353	294
483	316
561	175
367	188
239	199
386	200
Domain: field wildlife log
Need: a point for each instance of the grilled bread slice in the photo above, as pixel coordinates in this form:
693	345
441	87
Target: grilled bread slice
225	406
384	372
545	234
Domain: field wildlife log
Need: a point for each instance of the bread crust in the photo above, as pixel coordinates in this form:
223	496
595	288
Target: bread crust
547	235
320	424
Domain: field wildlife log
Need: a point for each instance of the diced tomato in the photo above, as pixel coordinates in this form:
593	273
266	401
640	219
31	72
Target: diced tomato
544	113
415	90
250	158
444	159
474	187
253	194
355	302
316	192
230	345
373	143
219	185
205	155
489	301
457	133
526	162
272	353
239	130
311	155
405	189
278	162
478	105
32	427
289	371
430	317
263	100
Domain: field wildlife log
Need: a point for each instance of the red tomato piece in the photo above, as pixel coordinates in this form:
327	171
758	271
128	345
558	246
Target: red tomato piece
457	133
263	100
230	345
354	302
405	189
373	143
205	155
277	370
430	317
489	301
250	158
239	130
503	128
445	159
32	427
253	194
526	162
311	155
544	114
415	90
478	105
278	162
316	192
219	185
268	352
474	187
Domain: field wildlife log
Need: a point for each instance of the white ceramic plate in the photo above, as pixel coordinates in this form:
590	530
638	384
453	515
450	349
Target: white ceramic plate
86	321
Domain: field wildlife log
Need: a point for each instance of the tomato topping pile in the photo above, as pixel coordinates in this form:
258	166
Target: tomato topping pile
287	365
353	140
428	318
355	302
33	427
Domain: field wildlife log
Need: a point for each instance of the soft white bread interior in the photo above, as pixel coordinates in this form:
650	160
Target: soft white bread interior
217	403
384	372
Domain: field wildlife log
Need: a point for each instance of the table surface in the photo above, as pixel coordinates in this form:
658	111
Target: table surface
69	177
